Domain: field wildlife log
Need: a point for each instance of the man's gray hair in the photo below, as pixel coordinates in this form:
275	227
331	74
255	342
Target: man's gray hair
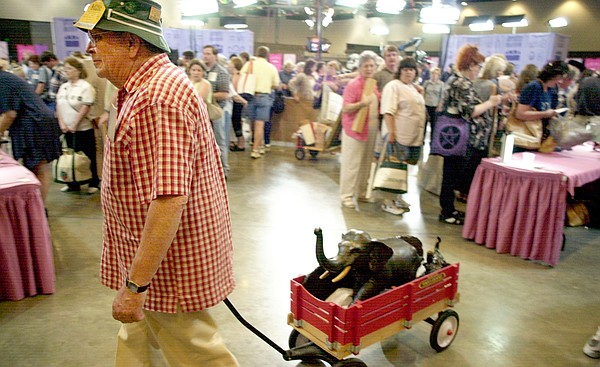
367	56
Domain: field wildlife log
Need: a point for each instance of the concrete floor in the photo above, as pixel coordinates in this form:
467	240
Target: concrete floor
512	312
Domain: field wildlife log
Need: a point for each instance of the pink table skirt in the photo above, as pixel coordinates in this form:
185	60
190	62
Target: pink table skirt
517	212
26	260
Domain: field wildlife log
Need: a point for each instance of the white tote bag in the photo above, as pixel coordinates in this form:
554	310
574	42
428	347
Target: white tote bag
72	167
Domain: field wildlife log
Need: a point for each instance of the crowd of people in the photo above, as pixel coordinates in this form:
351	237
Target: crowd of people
167	232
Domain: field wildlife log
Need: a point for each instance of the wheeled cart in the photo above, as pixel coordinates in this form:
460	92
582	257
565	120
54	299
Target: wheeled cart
328	332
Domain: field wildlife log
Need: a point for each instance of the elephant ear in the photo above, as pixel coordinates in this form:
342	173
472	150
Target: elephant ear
379	255
414	242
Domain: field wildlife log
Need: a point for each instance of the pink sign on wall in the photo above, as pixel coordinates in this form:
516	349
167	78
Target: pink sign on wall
592	63
24	51
277	60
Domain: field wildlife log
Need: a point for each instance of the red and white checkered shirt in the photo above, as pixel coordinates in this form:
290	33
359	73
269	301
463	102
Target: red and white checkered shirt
164	145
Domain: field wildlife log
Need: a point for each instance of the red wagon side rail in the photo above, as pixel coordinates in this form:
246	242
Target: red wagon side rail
342	331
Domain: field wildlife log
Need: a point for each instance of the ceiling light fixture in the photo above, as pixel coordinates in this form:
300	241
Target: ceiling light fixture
436	28
350	3
441	14
522	23
233	22
242	3
194	7
380	30
390	6
482	26
558	22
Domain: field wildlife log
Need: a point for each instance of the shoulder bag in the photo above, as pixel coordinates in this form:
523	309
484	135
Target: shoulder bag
450	136
215	112
247	82
528	134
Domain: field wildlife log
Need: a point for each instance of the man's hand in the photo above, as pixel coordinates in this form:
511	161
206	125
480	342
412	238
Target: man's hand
127	306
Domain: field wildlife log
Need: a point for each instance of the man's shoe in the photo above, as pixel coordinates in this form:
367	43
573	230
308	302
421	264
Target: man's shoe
400	203
255	154
92	190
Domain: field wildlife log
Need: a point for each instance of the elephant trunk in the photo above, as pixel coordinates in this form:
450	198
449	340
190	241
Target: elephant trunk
327	264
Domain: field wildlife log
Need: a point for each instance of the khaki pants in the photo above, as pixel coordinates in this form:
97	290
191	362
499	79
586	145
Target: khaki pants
173	340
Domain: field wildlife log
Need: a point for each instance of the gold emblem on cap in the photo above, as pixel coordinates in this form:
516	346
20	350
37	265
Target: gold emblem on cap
154	14
92	15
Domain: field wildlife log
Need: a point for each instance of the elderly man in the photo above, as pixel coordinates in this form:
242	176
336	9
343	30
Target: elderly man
167	247
259	109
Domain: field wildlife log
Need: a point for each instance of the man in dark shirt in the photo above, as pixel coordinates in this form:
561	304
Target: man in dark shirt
33	130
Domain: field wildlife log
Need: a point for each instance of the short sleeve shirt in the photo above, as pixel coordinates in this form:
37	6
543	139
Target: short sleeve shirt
70	98
407	106
533	95
164	145
219	78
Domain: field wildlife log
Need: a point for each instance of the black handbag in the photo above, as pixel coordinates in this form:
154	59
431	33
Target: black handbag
278	103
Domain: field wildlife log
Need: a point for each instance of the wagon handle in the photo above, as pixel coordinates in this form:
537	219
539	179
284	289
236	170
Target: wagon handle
252	328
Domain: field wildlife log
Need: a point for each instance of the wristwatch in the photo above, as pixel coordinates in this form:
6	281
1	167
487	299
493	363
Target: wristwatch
134	288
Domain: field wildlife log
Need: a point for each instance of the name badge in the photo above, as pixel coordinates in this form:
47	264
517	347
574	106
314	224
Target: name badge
212	76
112	122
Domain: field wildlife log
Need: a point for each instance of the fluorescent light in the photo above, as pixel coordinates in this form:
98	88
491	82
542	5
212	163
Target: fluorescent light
235	26
380	30
436	28
558	22
310	22
242	3
482	26
308	10
444	14
194	7
326	21
522	23
390	6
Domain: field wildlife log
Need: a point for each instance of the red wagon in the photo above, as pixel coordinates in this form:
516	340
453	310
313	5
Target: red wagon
329	332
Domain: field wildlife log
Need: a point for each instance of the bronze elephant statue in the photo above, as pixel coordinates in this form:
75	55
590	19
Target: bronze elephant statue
368	266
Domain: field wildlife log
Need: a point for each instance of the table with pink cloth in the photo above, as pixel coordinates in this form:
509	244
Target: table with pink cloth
26	260
520	210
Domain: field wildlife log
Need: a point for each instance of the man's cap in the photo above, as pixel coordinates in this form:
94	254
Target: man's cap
139	17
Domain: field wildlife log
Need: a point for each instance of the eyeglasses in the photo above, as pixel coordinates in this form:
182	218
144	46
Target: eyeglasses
96	37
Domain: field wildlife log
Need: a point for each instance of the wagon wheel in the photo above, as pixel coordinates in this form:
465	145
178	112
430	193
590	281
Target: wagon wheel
299	154
296	339
350	362
444	330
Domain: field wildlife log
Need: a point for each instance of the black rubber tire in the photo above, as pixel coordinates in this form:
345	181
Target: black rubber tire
350	362
444	330
296	339
299	154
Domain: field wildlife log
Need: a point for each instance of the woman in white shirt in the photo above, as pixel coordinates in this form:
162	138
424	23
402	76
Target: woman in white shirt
73	102
403	110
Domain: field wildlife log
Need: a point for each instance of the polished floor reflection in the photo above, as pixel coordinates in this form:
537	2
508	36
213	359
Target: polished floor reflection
512	312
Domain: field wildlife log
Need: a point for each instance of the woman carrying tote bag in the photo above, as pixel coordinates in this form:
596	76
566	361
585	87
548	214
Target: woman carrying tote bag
73	102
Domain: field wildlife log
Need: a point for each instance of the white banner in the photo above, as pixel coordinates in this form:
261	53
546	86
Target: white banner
520	49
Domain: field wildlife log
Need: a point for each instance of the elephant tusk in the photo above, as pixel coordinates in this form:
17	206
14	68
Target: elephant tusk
342	274
324	275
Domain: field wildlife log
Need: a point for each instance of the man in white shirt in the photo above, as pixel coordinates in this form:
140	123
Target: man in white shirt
259	109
